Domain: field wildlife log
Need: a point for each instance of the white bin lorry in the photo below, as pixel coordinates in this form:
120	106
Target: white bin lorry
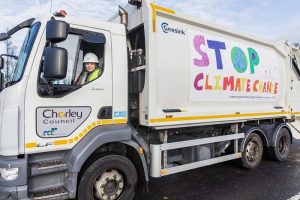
174	94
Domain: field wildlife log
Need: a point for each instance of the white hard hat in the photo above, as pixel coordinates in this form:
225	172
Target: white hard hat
90	58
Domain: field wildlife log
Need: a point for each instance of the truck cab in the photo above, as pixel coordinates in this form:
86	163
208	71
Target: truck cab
44	97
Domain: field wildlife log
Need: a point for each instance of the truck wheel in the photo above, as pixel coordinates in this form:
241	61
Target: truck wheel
108	178
282	146
253	151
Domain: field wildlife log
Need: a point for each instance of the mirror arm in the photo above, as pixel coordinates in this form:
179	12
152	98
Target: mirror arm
25	24
12	56
50	89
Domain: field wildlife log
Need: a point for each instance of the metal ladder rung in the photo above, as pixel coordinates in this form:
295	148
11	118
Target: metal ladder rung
50	193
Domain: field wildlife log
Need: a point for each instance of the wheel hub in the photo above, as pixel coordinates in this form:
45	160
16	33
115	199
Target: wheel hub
282	145
109	185
252	151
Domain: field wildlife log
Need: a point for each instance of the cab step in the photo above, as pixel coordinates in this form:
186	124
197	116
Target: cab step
48	167
51	194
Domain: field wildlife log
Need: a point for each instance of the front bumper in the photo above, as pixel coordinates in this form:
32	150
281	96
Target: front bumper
12	193
15	189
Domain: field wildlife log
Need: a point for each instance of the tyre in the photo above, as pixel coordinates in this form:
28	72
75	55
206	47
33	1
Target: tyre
112	177
282	146
253	151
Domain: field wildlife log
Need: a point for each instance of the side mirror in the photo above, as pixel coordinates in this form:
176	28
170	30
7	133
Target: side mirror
57	31
56	63
1	62
137	3
4	36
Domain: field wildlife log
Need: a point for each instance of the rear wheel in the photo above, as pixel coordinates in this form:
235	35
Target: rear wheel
253	151
112	177
282	146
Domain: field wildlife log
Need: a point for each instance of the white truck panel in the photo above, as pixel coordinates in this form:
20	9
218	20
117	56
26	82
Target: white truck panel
120	82
171	74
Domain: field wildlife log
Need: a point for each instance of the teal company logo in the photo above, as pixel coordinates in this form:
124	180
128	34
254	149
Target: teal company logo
122	114
50	132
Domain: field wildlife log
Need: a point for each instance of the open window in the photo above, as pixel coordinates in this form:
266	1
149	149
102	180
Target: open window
137	70
80	71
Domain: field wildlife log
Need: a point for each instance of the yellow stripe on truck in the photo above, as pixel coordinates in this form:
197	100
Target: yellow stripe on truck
153	17
175	119
31	145
159	8
166	10
80	135
60	142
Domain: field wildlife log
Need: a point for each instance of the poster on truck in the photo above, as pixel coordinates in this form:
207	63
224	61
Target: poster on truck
223	69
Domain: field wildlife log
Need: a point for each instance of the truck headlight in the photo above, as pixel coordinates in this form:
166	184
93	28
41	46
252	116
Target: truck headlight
9	174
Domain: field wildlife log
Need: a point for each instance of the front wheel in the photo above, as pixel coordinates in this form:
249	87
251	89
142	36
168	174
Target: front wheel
112	177
253	151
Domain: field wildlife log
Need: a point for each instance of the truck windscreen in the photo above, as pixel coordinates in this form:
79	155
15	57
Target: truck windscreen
24	53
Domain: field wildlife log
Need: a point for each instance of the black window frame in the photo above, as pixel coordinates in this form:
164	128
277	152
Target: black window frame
29	50
295	65
66	89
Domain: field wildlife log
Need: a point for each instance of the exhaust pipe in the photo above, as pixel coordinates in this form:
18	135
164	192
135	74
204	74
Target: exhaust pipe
124	16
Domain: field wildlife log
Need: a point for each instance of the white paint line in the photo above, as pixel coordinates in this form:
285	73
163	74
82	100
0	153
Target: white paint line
297	197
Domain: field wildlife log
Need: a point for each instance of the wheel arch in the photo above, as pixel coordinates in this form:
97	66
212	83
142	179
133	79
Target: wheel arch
128	149
277	131
257	130
113	138
96	138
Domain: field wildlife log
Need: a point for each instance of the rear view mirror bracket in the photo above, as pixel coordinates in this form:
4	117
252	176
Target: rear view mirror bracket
2	59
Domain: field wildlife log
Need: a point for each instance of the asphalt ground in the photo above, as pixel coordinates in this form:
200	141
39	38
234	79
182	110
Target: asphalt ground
228	181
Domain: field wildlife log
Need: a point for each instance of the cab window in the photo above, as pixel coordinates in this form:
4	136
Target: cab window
85	62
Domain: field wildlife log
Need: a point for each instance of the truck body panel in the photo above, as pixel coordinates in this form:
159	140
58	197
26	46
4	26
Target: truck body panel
171	70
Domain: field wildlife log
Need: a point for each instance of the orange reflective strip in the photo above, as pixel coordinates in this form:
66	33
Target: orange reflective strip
164	172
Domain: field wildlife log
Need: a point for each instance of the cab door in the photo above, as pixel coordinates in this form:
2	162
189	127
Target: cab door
58	115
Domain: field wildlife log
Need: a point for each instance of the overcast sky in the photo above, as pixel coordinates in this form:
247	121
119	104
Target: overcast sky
269	19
